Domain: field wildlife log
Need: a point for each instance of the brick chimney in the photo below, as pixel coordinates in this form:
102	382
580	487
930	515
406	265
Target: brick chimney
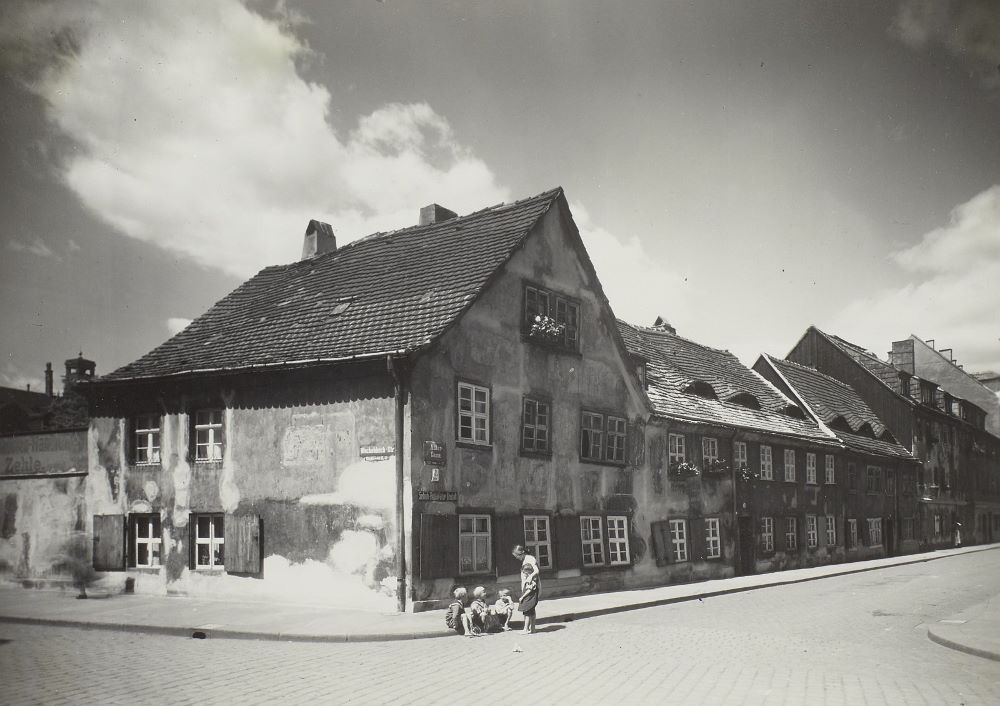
662	324
435	214
48	379
319	239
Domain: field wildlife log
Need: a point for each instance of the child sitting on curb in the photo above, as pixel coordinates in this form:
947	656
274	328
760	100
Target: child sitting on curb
456	618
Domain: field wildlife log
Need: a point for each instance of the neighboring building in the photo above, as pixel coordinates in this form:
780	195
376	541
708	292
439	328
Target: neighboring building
736	467
22	410
919	358
990	380
960	478
470	364
881	500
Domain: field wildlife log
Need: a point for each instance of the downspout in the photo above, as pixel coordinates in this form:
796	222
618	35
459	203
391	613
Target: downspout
399	393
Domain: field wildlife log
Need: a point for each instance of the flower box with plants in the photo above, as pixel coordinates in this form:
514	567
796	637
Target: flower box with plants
718	465
683	469
747	474
547	331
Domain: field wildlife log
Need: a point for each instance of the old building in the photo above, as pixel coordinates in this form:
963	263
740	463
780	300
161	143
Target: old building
740	477
959	481
386	417
880	504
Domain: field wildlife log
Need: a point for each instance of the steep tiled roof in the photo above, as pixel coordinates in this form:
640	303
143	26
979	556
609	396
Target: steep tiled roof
883	370
831	399
388	292
674	362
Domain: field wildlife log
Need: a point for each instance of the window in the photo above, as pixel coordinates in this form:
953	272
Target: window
675	448
709	449
591	436
740	454
678	540
791	533
874	531
147	439
890	482
551	318
535	426
906	530
852	477
618	541
538	540
831	531
874	479
812	532
766	471
616	440
830	477
209	542
767	534
208	435
473	414
790	465
592	540
474	542
852	533
147	540
811	468
713	538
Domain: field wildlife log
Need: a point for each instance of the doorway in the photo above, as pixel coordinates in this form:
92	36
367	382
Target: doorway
747	545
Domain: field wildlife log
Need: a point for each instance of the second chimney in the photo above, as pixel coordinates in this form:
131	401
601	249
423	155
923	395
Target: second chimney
435	214
48	379
319	239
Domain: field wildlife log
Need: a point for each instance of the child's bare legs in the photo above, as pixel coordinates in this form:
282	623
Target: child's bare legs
467	624
506	623
529	624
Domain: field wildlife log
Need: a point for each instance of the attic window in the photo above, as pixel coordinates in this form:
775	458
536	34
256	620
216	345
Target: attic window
745	399
887	436
866	430
841	424
793	410
702	389
340	306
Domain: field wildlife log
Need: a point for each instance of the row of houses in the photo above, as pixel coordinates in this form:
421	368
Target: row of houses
385	420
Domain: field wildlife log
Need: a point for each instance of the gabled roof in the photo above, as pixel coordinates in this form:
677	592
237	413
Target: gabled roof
881	370
830	400
673	363
385	293
25	399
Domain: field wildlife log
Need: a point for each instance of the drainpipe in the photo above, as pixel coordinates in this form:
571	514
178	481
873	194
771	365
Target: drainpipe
399	393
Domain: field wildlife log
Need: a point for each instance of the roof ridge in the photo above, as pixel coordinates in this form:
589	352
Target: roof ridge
652	329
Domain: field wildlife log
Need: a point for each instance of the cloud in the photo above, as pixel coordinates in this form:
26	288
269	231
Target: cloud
175	325
36	247
954	297
12	376
195	132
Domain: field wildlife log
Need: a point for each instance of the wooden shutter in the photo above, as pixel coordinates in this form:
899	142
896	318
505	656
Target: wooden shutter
568	548
244	544
192	545
438	546
109	542
130	541
661	542
508	532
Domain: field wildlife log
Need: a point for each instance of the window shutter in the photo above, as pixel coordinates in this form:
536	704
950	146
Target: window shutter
130	440
130	541
192	548
568	547
661	542
438	546
109	542
508	532
244	544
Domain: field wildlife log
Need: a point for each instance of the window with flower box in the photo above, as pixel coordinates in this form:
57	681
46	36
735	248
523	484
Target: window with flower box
535	426
675	449
473	407
790	465
811	468
551	319
709	450
740	455
766	469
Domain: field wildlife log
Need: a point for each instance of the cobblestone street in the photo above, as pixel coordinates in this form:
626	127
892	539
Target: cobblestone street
849	639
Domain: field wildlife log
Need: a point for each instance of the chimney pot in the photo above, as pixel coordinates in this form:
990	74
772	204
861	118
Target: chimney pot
319	239
435	213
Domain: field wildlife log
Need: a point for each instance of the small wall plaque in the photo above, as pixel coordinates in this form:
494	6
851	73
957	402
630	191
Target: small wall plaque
434	453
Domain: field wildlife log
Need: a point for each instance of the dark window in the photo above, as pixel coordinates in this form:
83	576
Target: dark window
602	437
551	319
535	426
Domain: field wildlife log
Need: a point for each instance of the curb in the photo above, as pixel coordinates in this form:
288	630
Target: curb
564	617
968	649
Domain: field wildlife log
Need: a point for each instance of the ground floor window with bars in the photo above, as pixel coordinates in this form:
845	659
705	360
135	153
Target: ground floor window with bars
538	539
209	542
713	538
474	542
592	540
618	541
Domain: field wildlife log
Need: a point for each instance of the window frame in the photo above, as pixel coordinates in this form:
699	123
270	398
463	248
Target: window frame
599	439
791	534
713	538
812	532
618	542
873	479
678	540
535	426
874	531
595	545
766	462
212	541
153	542
789	465
150	433
620	439
852	532
741	456
533	546
676	448
556	306
810	468
472	414
831	531
708	456
829	470
211	426
474	517
766	534
593	432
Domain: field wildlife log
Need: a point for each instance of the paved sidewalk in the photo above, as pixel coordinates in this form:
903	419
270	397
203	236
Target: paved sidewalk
978	633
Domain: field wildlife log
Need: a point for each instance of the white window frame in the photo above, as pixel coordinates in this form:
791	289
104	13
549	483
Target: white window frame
536	420
767	534
211	423
675	449
614	447
810	468
618	549
790	465
766	463
591	436
874	531
852	531
713	538
740	458
812	531
709	449
146	436
791	534
538	539
472	403
592	540
152	542
470	536
831	531
831	476
678	541
212	541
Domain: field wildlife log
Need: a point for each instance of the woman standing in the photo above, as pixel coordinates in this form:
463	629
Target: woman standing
529	587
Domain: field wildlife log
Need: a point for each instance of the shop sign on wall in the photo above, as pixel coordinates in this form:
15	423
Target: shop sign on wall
374	453
58	453
438	495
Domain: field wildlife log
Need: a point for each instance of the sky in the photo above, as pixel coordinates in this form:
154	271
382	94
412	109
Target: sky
744	170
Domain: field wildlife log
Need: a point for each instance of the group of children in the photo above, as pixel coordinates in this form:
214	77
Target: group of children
479	617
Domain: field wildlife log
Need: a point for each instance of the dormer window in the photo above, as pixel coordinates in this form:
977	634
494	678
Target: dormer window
927	392
904	384
793	410
551	318
745	399
702	389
